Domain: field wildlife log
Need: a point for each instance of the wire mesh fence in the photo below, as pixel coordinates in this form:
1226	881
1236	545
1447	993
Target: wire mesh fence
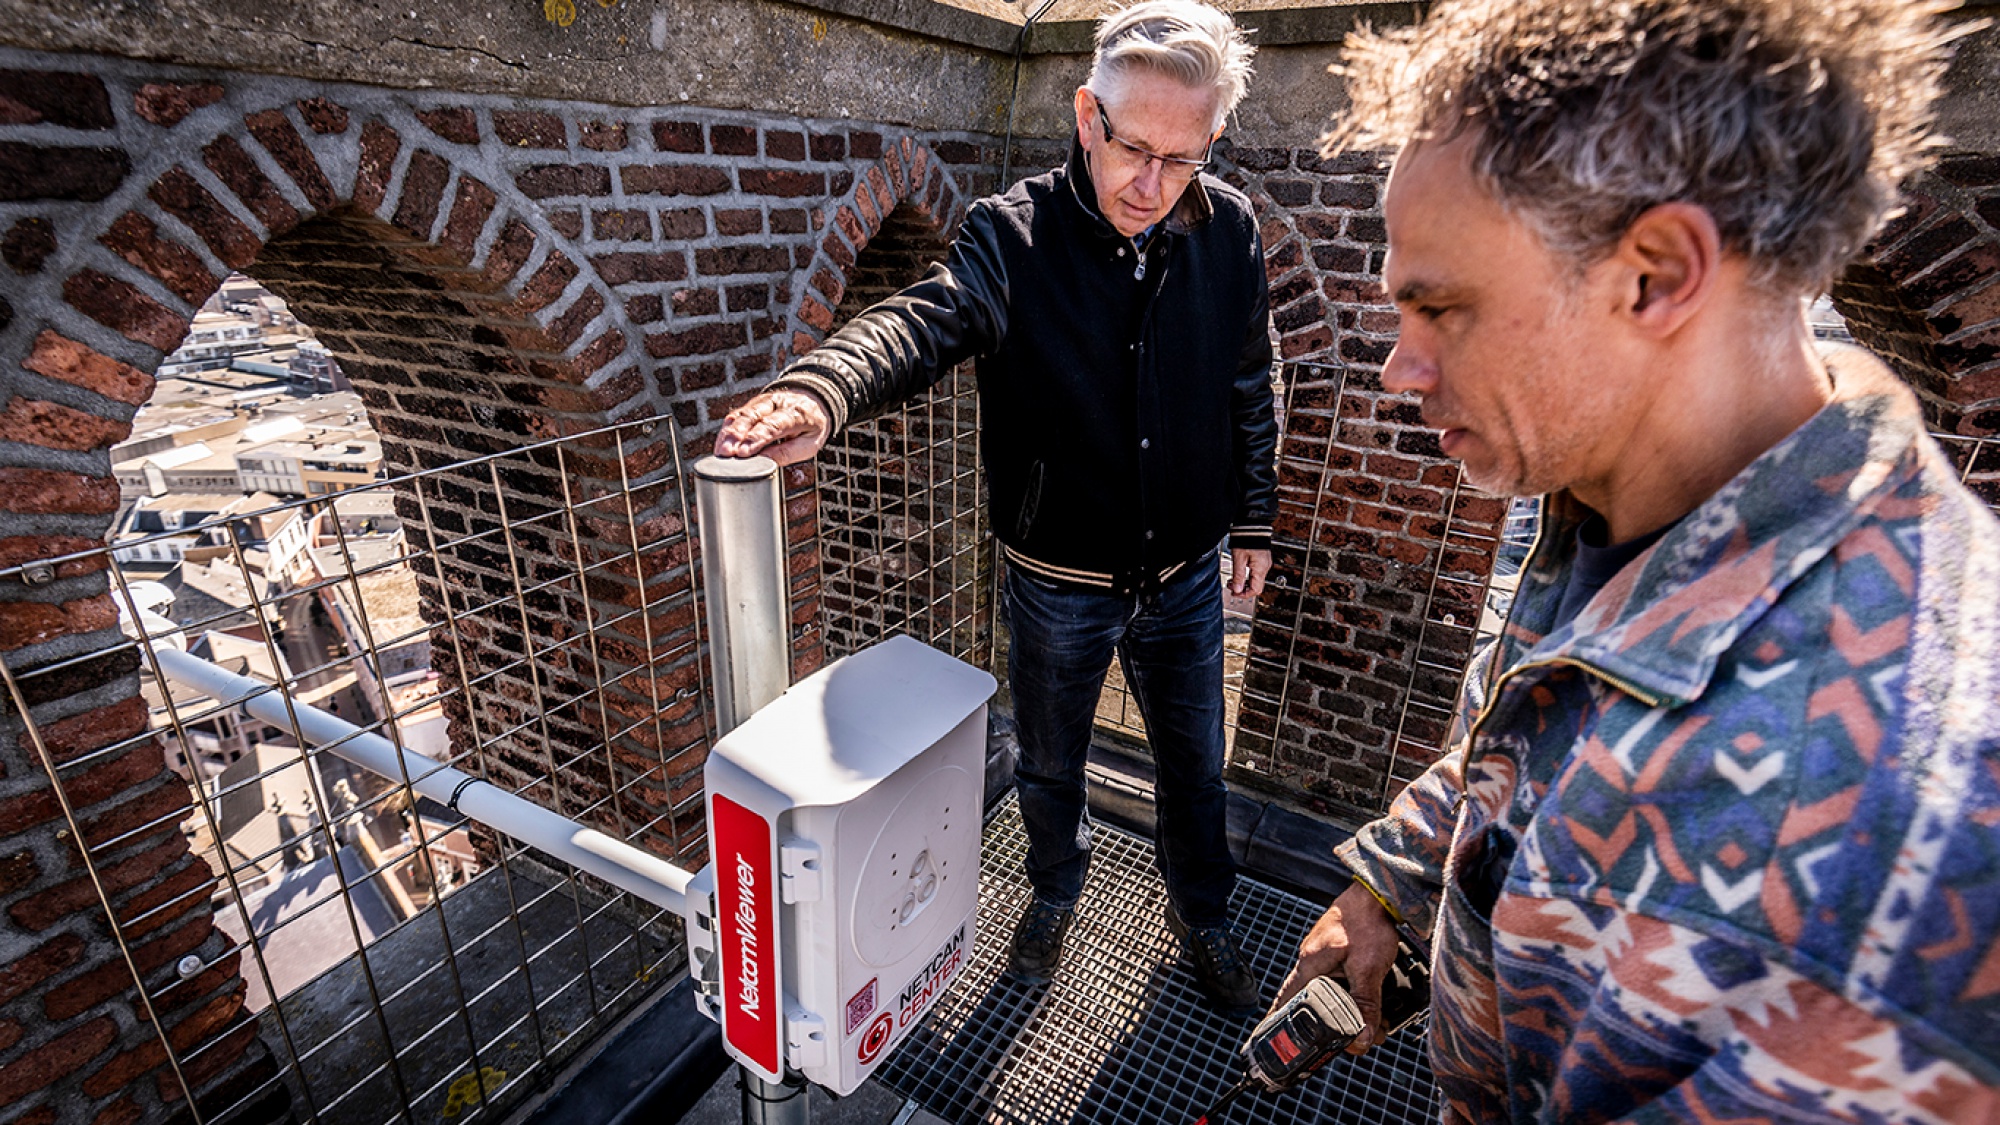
527	617
905	546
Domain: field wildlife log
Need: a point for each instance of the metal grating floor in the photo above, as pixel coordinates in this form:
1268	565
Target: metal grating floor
1122	1036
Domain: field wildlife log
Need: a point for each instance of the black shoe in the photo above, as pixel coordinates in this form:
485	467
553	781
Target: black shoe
1038	940
1219	965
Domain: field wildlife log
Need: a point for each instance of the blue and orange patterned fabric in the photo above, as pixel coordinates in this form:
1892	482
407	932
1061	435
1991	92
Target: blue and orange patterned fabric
1726	847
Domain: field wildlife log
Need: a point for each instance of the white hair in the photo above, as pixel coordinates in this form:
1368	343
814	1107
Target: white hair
1192	43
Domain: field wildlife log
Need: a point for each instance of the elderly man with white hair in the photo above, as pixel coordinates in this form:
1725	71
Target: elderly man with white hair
1117	310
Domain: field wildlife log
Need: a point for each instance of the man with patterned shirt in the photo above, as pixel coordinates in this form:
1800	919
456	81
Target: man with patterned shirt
1717	833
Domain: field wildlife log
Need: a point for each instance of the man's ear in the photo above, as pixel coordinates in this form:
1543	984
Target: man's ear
1086	106
1671	255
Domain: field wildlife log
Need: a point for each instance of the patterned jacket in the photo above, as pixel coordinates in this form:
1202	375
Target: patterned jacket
1727	846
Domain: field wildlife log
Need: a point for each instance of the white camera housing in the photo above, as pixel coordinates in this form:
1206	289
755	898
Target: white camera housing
844	831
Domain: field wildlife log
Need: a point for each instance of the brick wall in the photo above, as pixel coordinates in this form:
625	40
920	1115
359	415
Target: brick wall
1354	625
489	274
1929	299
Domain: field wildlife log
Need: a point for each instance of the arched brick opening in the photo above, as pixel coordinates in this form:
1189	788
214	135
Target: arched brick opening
888	485
468	327
893	494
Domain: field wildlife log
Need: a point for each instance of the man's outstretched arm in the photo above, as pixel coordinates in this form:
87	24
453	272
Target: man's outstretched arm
890	352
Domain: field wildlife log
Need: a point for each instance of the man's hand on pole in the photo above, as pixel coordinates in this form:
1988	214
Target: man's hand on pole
1354	940
1247	569
786	426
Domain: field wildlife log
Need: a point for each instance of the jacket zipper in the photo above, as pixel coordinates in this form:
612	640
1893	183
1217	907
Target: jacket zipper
1500	680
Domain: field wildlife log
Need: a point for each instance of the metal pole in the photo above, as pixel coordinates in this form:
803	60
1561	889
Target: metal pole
614	861
743	572
749	644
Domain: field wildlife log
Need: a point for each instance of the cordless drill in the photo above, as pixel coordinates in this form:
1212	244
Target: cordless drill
1319	1021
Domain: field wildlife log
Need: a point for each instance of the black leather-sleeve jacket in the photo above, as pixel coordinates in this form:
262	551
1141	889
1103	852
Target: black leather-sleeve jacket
1125	398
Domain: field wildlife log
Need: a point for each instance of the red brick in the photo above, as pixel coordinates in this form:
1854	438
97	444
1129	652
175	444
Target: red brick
153	810
41	963
47	908
898	173
885	199
47	492
677	136
692	303
567	221
423	190
675	179
621	269
211	1019
123	771
782	182
830	284
169	103
723	261
545	286
84	175
234	167
323	116
784	145
705	339
41	97
548	181
18	871
740	221
274	131
509	252
732	140
28	243
566	329
168	900
56	1060
27	810
136	239
58	427
602	353
471	207
1316	341
125	1068
870	217
114	978
10	1034
457	124
529	129
643	309
614	224
181	194
69	739
379	146
683	224
602	136
816	314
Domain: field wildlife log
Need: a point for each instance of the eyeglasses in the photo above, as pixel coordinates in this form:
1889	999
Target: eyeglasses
1173	169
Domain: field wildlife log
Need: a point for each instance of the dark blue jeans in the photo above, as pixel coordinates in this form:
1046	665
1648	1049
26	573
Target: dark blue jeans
1170	645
